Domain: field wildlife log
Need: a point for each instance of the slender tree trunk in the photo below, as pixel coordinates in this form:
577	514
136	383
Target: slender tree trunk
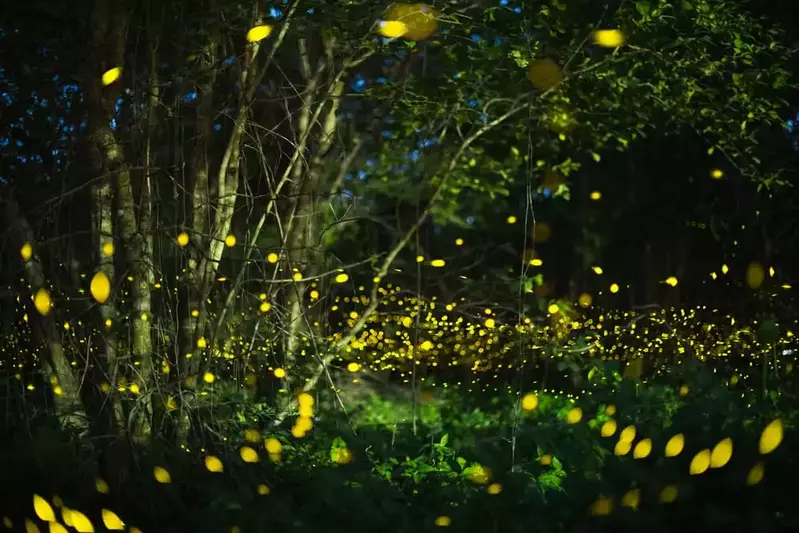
297	224
304	239
294	171
109	26
103	245
192	305
142	345
58	370
203	261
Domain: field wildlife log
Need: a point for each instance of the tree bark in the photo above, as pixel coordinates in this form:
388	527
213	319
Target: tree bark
58	369
299	224
203	261
108	27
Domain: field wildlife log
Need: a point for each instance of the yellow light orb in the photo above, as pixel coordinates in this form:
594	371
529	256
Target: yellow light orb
642	449
530	402
420	20
609	38
544	74
26	252
111	75
258	33
248	455
100	287
273	446
627	434
668	494
771	437
214	464
700	463
391	28
721	453
755	274
675	445
631	498
602	506
585	300
622	447
162	475
42	302
608	428
443	521
755	475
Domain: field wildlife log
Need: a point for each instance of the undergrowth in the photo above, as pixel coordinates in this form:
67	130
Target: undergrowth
511	461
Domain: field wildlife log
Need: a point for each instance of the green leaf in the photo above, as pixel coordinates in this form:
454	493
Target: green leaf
337	445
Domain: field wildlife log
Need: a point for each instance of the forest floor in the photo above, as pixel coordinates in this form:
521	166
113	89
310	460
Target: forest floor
690	449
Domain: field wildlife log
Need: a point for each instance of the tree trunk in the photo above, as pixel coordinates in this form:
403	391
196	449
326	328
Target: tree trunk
103	244
142	423
203	261
108	45
297	225
304	240
58	369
